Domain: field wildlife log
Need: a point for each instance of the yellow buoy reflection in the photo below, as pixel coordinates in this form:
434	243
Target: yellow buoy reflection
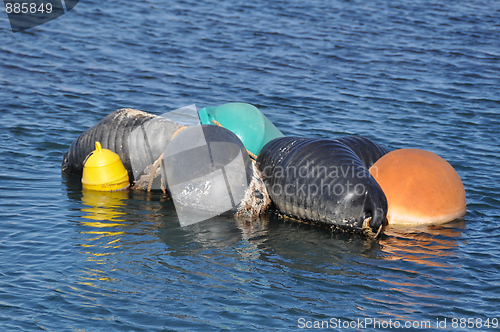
103	206
103	212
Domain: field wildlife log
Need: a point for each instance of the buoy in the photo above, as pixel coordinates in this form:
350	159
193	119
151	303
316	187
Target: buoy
420	187
325	182
245	121
104	171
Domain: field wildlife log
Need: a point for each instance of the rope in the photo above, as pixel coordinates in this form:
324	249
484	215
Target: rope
153	172
179	130
162	186
367	229
252	155
157	162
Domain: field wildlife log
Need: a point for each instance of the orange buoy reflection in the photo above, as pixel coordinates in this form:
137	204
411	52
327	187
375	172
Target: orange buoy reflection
429	247
426	244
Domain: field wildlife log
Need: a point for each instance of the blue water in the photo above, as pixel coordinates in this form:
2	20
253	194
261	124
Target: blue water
420	73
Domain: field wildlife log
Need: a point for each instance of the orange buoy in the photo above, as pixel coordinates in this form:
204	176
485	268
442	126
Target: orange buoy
420	186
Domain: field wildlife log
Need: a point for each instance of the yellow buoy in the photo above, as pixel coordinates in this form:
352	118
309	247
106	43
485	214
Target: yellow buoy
420	186
104	171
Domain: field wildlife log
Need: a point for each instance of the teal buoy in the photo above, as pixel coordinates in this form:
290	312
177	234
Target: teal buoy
245	121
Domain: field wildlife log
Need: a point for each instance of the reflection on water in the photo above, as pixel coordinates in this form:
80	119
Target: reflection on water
100	240
254	234
103	209
109	221
103	206
126	234
426	245
418	259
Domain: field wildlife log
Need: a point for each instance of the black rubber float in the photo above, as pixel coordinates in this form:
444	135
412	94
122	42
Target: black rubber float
138	138
325	181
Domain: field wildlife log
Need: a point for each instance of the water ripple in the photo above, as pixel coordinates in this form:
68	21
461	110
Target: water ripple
407	74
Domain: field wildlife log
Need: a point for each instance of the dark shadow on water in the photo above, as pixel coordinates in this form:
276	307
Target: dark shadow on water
269	239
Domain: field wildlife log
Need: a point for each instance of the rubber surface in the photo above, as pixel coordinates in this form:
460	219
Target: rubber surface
114	133
325	181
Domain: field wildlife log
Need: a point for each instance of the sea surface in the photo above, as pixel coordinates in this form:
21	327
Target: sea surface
406	74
